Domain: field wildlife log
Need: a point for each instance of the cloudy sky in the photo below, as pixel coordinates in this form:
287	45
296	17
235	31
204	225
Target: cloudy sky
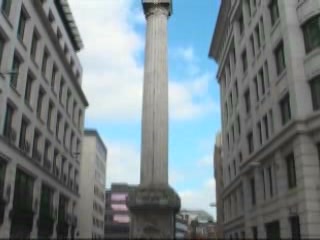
113	32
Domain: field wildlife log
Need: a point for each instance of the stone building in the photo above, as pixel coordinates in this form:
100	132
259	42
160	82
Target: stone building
92	186
269	74
218	174
41	119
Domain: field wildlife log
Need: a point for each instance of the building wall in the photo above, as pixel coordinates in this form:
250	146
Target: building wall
218	174
117	216
92	204
264	168
22	153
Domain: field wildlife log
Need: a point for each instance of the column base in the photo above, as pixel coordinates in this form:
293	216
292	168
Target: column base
153	209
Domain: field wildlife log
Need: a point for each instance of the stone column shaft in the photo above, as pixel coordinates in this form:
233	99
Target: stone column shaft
154	161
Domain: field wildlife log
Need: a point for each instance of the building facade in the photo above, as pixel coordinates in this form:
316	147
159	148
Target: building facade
41	119
218	174
269	74
117	216
92	185
182	227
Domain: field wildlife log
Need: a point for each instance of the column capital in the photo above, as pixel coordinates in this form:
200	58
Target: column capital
155	7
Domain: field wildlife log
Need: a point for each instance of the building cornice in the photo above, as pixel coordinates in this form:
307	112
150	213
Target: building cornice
55	43
69	23
220	29
94	132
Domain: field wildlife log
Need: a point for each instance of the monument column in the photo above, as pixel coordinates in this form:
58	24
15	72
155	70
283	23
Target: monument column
153	204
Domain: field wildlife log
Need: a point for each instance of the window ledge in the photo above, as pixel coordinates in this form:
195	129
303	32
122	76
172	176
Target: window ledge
6	17
44	77
34	62
22	43
15	90
281	76
275	26
28	105
312	54
40	119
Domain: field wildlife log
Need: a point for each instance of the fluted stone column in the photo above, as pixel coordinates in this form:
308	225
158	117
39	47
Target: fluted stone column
153	204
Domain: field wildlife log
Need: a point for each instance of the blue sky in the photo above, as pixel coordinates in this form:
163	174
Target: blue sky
113	32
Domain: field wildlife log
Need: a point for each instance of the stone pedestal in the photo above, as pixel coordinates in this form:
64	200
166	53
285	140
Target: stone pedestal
153	210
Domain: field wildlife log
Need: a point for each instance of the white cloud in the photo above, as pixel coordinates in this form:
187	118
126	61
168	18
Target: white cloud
187	53
112	78
200	198
123	163
206	161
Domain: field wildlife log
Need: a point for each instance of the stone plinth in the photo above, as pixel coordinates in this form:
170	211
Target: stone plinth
153	211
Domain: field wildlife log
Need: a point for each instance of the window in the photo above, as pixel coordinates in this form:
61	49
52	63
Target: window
34	44
295	227
236	89
74	110
252	46
7	131
58	125
28	89
250	143
266	74
241	24
2	43
2	176
260	133
263	184
234	168
50	17
46	202
285	109
53	77
263	86
274	11
269	170
253	191
315	93
23	135
255	80
35	148
65	133
22	25
262	30
68	100
23	191
266	127
273	230
55	157
6	6
279	57
257	33
291	171
80	119
247	101
239	125
271	120
16	63
240	157
311	33
61	90
244	61
40	101
249	7
44	62
50	111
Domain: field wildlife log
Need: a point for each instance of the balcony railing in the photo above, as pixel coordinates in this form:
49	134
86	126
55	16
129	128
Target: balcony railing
10	134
